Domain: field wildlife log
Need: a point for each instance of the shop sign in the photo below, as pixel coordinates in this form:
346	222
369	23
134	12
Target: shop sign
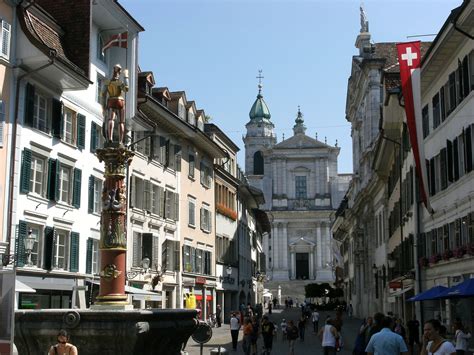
395	284
200	280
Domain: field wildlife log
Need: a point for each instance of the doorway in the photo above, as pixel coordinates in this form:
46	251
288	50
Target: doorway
302	266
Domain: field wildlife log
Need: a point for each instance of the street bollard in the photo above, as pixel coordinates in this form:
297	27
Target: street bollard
218	351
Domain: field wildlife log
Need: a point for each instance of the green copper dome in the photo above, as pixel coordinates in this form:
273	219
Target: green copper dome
259	110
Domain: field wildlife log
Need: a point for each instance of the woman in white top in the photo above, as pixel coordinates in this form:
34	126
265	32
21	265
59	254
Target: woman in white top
433	342
461	337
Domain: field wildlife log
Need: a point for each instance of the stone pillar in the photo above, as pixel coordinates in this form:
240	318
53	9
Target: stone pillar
285	246
311	263
318	246
317	176
293	264
275	247
113	240
327	232
173	298
284	173
275	176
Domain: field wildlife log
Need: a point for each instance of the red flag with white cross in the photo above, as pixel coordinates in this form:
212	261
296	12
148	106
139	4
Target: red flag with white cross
409	59
118	40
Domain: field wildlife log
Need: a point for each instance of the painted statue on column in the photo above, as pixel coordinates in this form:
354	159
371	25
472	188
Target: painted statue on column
113	103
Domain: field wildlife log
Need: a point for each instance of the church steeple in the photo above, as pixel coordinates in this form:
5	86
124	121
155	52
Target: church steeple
299	127
259	111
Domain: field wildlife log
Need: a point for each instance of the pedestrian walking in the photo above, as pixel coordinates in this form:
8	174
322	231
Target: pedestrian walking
328	335
400	329
218	315
461	337
234	330
315	320
247	339
254	336
275	303
292	335
269	308
302	327
386	342
363	336
433	341
413	335
350	310
268	330
63	347
284	328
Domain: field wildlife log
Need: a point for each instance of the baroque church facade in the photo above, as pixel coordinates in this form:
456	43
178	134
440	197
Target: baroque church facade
302	190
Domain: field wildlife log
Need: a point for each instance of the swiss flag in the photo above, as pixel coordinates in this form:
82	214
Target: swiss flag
409	59
118	40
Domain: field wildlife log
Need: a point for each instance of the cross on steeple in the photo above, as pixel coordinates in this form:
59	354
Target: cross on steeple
260	77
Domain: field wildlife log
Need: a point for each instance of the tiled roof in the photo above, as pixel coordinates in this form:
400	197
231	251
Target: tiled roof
49	35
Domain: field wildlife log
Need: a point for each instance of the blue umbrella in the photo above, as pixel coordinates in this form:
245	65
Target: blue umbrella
431	294
464	289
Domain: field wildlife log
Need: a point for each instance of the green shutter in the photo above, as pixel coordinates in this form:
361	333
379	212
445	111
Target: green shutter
74	252
57	119
29	104
176	207
49	237
90	208
25	171
51	190
20	243
90	243
56	180
81	131
177	155
76	192
93	137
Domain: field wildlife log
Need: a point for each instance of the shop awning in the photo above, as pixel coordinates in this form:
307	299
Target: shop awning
21	287
462	290
47	283
142	295
430	294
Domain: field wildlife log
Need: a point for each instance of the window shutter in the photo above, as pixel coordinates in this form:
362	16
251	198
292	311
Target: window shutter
147	195
81	131
147	246
201	171
165	255
20	243
176	207
167	153
449	147
74	252
172	156
161	201
443	168
156	250
133	184
29	104
456	159
53	179
162	155
25	171
57	119
177	155
468	148
90	207
76	194
48	248
136	250
6	33
210	221
2	121
208	177
432	177
176	255
202	222
90	243
168	204
93	137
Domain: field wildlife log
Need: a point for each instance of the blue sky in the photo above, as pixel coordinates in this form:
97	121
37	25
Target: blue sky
213	49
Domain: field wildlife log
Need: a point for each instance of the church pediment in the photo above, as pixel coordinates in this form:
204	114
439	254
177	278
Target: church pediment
302	242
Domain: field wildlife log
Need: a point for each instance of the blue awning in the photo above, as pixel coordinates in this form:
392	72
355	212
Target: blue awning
431	294
464	289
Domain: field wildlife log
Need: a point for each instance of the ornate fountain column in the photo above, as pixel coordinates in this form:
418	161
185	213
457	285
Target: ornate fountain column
113	239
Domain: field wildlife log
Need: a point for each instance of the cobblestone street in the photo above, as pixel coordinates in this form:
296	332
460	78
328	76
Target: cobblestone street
311	345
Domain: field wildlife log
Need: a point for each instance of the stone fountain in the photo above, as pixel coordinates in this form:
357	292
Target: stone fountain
110	326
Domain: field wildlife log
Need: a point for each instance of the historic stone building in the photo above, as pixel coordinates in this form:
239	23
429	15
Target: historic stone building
302	189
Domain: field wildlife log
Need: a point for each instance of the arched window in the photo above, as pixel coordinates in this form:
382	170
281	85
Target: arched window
258	163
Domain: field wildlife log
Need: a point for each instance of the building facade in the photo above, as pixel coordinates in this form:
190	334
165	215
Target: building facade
301	187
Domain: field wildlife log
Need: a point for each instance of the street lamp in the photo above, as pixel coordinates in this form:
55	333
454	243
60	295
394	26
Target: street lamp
29	242
228	271
145	265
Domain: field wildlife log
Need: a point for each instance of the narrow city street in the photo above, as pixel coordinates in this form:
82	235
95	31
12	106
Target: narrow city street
311	344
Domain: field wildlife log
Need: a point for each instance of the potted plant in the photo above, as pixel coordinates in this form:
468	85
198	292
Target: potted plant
435	258
448	254
460	251
423	261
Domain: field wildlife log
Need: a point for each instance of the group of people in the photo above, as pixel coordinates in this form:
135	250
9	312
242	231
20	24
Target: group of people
387	335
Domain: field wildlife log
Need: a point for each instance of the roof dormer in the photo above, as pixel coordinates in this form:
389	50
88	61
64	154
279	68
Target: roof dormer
162	94
191	112
200	119
178	104
146	81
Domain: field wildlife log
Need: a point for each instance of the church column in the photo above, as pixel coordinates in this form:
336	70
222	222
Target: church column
275	247
311	263
318	246
284	189
317	176
324	174
285	246
275	176
293	264
328	243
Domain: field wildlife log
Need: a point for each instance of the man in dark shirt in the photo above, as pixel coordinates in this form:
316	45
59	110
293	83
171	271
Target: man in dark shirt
268	330
413	334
